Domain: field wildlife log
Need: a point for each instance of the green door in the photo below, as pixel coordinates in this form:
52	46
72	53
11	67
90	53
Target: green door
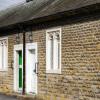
20	69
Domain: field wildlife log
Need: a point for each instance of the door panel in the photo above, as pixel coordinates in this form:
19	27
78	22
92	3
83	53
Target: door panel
20	77
20	68
31	68
20	57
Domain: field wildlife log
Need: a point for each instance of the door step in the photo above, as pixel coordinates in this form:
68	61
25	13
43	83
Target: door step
28	97
22	97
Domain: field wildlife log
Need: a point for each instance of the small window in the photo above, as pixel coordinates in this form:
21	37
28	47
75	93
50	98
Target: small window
3	54
53	51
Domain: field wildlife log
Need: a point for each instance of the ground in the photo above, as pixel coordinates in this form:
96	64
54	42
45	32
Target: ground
4	97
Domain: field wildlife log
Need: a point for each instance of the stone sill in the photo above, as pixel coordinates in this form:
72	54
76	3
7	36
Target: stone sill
53	71
3	70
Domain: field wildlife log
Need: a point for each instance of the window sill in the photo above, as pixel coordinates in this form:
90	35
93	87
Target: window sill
53	71
3	70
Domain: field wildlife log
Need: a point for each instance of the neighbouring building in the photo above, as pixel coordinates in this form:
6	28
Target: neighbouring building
51	48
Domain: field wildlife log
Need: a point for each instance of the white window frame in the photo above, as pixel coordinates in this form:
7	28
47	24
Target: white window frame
48	67
5	68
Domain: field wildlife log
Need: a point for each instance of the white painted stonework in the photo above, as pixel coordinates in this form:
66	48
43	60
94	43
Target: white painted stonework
18	47
31	67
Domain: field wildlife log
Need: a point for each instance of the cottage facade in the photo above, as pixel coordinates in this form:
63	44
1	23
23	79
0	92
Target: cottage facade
51	51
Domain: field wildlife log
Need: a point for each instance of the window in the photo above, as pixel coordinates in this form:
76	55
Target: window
3	54
53	51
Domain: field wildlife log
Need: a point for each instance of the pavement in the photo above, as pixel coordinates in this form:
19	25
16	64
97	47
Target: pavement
4	97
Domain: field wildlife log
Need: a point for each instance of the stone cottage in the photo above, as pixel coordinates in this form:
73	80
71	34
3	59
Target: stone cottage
51	48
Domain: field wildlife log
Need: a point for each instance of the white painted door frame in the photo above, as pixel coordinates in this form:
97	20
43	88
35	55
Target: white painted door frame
17	48
31	46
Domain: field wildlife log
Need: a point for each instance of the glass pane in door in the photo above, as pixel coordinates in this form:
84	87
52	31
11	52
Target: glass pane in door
20	69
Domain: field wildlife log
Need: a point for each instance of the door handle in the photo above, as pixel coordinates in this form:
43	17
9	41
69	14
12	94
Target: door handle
35	69
36	66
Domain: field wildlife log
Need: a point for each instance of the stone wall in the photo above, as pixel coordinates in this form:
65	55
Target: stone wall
6	77
81	61
80	76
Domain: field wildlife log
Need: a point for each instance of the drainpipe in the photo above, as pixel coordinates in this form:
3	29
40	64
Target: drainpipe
24	63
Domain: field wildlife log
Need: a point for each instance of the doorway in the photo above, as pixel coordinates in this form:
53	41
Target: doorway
31	68
18	68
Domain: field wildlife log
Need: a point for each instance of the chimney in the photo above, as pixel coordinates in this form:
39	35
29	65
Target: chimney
28	0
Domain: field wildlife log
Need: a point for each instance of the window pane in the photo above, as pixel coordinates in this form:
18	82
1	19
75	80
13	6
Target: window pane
20	77
48	55
59	55
51	52
56	53
20	68
20	57
5	56
0	56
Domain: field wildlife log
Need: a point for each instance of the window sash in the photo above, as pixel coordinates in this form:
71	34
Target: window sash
49	54
3	54
56	55
53	52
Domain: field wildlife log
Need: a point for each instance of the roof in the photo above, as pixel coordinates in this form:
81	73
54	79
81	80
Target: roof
39	9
